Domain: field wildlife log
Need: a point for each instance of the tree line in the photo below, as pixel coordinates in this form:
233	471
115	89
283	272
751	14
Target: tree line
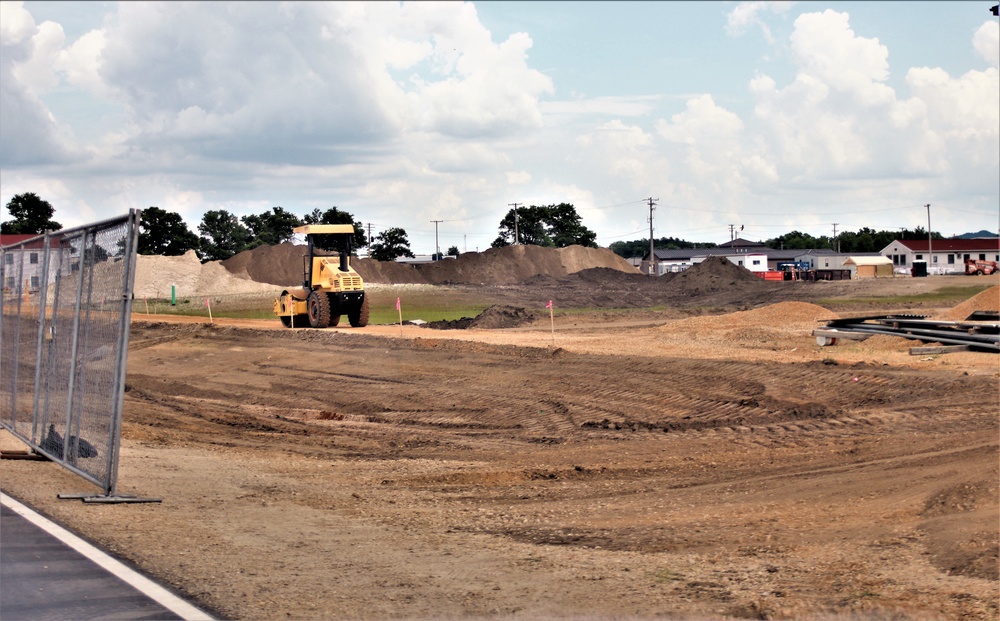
222	234
863	240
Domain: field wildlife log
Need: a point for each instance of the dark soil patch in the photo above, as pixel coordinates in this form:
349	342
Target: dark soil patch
493	318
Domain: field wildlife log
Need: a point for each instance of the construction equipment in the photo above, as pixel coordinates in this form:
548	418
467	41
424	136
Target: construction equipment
980	267
330	286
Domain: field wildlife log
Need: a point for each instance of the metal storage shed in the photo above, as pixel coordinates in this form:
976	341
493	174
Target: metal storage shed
870	267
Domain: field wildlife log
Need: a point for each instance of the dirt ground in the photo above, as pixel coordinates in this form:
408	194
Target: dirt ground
678	464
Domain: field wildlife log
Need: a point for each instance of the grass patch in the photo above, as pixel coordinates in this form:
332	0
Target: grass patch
416	303
945	296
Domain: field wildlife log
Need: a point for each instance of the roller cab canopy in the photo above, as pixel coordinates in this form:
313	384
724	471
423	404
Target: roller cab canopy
325	229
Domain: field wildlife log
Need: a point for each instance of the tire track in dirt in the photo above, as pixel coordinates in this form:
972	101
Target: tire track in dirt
460	388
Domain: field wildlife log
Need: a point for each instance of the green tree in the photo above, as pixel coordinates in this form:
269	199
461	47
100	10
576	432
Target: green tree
389	244
797	240
523	225
555	226
164	233
271	227
336	216
566	229
222	235
640	247
453	251
31	216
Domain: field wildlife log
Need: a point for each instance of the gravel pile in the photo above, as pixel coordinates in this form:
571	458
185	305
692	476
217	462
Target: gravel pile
155	275
282	265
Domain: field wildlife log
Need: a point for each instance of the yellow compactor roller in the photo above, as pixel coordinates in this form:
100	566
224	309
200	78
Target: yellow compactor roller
330	286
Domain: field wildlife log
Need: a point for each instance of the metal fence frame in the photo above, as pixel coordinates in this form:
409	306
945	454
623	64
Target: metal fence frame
63	356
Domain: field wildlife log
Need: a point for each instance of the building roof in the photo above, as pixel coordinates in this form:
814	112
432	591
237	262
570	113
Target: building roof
9	239
952	245
789	254
867	260
741	243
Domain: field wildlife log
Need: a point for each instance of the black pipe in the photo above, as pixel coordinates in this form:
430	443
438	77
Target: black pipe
345	252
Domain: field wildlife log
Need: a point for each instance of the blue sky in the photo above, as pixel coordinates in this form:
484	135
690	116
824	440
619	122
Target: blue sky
771	116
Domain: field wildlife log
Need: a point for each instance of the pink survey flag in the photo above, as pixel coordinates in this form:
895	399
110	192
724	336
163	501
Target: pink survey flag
549	305
206	302
397	303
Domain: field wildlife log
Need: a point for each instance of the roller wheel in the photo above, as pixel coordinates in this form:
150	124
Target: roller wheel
358	316
318	306
291	321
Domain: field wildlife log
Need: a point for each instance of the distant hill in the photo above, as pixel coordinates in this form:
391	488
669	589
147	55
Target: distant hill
977	235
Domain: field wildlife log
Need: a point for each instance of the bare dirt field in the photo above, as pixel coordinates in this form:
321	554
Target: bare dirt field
684	463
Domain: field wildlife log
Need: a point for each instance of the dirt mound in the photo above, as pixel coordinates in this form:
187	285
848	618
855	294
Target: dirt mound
988	300
713	283
515	264
751	324
186	275
282	265
496	317
717	274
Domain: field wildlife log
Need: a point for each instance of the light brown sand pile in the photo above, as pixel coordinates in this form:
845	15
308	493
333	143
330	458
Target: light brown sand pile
988	300
282	265
155	275
783	316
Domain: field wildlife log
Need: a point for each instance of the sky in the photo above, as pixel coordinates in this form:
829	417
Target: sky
752	119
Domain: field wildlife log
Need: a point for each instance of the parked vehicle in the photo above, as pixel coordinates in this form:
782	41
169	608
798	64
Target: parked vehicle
978	267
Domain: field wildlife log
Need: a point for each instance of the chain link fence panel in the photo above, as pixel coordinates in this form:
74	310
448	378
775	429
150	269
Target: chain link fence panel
64	328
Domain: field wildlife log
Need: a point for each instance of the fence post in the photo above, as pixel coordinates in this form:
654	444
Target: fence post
125	322
40	341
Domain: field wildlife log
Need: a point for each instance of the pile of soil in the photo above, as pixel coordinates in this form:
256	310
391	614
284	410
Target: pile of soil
159	276
716	282
496	317
988	300
282	265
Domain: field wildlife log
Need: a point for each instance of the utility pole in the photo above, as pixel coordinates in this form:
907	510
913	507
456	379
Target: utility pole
369	240
930	252
515	206
835	236
437	248
652	256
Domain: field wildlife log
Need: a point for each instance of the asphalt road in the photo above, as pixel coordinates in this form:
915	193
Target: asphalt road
47	573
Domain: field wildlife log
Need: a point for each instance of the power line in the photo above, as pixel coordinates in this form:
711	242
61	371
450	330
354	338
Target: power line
515	206
652	257
437	246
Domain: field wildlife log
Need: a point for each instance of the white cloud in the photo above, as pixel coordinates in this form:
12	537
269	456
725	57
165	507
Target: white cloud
746	15
701	121
403	113
828	50
16	28
81	61
987	42
36	73
838	125
266	81
29	133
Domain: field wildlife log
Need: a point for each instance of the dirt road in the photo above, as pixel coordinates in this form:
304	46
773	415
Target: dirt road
708	467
